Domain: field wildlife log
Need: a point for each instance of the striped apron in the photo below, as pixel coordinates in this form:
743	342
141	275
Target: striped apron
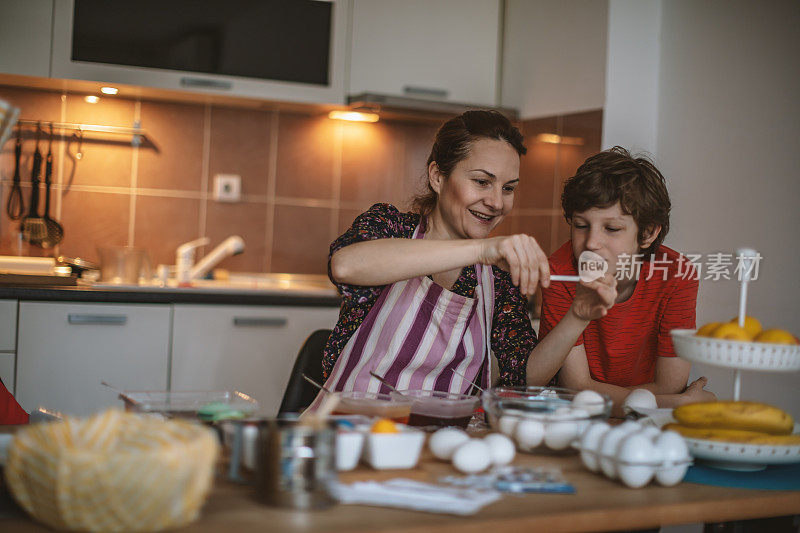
416	334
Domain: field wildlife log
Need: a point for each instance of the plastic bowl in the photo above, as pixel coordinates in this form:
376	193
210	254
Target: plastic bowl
438	408
374	404
551	420
386	451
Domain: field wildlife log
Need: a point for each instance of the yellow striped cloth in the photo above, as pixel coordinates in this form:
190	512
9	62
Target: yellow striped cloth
114	471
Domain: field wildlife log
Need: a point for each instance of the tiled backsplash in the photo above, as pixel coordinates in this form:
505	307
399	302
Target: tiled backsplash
304	177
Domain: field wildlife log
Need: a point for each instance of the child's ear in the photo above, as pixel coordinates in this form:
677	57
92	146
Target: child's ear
435	177
650	235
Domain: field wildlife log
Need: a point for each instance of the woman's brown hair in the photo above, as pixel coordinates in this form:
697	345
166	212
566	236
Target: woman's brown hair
616	176
454	141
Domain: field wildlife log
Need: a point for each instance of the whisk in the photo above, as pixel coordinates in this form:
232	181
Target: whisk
16	205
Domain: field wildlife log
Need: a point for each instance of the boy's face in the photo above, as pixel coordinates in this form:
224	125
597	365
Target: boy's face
608	232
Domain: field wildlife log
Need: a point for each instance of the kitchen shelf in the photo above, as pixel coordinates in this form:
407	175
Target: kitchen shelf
138	135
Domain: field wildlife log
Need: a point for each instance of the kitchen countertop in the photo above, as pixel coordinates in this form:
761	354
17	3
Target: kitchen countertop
598	505
278	289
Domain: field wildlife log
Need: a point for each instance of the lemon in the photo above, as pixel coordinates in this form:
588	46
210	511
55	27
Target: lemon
751	324
384	425
776	336
731	332
708	329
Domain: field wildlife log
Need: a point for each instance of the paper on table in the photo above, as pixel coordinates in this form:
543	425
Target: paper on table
410	494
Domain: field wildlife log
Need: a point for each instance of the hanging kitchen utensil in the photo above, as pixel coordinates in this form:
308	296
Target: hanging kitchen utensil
16	205
8	117
33	226
54	233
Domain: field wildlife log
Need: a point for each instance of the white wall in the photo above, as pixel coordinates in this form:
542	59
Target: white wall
632	63
554	56
728	142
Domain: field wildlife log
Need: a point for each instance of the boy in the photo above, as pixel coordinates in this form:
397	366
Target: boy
618	207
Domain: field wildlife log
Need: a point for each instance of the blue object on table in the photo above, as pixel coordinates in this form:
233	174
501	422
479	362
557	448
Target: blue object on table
774	477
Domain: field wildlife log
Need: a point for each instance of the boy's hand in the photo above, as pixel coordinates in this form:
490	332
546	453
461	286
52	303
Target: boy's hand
593	299
696	392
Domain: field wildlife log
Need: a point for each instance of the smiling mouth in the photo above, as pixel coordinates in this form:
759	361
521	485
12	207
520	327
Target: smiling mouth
481	216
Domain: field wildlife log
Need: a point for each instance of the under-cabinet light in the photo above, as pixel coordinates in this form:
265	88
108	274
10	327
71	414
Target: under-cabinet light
353	116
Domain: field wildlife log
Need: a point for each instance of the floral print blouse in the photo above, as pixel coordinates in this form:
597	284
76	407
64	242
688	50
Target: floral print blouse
512	336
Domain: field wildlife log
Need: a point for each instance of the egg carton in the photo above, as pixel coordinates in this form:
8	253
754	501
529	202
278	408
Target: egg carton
634	454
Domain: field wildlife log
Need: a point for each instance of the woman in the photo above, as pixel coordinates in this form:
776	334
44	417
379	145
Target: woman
427	293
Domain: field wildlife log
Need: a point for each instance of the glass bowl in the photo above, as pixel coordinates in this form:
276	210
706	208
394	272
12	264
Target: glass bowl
438	408
542	418
373	404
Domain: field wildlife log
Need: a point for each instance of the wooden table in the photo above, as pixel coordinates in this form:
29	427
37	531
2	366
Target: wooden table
598	505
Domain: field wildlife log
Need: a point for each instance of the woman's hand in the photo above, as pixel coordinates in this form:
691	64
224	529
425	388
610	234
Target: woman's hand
521	256
595	298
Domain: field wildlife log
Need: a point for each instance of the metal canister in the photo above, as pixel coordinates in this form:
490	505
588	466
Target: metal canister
296	464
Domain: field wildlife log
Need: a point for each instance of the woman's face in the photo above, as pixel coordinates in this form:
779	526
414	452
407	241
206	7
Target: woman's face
479	192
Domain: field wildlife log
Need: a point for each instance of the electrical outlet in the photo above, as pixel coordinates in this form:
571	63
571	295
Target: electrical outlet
227	187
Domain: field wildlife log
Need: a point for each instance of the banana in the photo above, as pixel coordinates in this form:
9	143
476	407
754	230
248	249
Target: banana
747	416
734	435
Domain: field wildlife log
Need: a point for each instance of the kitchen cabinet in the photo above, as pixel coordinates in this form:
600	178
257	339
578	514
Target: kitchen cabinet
25	36
245	348
65	350
7	363
8	325
270	50
445	49
8	342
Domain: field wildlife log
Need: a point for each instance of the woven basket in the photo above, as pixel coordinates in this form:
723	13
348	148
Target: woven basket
113	472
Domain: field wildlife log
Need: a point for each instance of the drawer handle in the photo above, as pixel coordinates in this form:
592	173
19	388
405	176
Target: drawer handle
206	83
425	92
271	322
117	320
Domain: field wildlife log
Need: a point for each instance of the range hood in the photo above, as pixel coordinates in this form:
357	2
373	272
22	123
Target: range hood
416	108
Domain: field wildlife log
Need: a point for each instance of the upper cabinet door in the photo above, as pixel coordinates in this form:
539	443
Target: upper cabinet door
446	48
287	50
25	36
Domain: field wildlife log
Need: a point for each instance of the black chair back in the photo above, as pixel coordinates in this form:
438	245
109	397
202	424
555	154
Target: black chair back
300	393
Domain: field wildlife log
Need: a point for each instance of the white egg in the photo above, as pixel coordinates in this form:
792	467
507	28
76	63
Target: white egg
608	447
591	401
651	432
529	434
589	444
629	426
561	412
674	458
501	447
642	398
568	413
559	435
473	456
445	441
508	424
635	456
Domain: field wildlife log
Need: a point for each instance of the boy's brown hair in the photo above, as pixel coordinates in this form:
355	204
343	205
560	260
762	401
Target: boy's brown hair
616	176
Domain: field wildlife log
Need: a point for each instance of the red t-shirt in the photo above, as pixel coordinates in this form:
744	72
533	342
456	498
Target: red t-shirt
10	411
622	346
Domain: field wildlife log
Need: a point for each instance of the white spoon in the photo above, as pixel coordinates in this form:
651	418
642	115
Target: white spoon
591	266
